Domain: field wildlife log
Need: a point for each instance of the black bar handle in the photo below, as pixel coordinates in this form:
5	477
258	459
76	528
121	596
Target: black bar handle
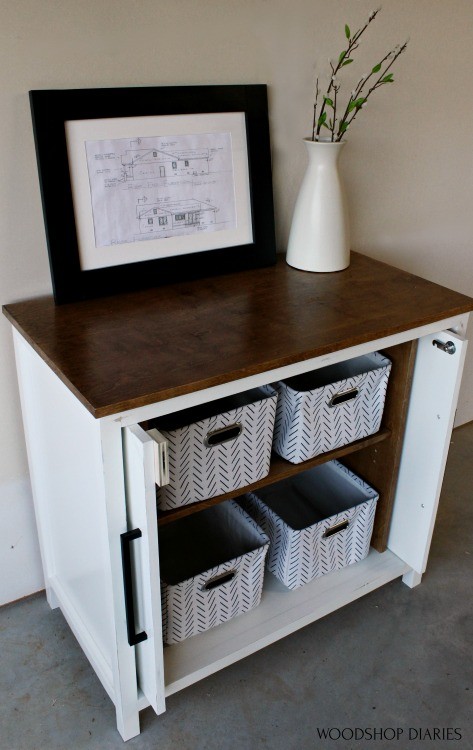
126	540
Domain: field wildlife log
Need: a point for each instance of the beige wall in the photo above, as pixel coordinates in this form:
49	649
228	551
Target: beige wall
408	165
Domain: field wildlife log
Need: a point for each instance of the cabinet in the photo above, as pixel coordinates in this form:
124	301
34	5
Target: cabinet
93	373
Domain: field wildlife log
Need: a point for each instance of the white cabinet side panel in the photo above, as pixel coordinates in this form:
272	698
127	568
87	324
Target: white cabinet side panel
429	424
64	453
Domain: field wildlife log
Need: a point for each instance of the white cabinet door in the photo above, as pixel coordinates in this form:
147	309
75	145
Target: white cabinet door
146	593
434	394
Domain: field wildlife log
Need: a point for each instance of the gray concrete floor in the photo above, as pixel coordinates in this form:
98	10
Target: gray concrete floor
397	659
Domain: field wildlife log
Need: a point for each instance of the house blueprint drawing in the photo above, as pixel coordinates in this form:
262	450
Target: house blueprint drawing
160	186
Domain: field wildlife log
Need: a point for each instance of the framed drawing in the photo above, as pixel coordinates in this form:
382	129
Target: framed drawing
146	186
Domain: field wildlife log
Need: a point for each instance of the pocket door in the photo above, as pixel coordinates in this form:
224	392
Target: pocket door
141	567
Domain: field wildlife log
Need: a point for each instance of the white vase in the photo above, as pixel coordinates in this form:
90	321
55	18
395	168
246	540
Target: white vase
319	238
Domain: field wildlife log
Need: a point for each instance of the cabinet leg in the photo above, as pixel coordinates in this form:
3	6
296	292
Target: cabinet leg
128	726
51	598
412	578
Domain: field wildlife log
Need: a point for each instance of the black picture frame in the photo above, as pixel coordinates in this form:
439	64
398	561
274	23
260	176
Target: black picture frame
51	109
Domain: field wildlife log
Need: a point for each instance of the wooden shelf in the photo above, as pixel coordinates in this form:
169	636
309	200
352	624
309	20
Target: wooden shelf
280	469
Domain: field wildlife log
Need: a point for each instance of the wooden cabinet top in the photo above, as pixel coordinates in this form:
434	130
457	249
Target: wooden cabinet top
122	352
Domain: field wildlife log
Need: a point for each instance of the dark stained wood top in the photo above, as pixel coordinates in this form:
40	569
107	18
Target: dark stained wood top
118	353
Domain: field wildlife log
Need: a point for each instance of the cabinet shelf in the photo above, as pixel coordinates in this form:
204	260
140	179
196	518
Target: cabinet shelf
280	469
280	613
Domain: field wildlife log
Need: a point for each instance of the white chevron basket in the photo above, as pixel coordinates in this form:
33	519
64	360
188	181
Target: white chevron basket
317	522
218	447
327	408
212	569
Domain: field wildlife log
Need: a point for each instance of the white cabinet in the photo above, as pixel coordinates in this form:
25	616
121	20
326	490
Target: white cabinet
94	480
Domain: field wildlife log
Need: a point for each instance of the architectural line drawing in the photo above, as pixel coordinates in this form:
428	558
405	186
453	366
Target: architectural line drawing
154	163
160	187
165	216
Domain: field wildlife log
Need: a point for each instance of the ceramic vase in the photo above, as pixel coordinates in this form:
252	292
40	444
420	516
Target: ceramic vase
319	238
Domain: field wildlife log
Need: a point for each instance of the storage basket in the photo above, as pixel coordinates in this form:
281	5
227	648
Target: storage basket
327	408
212	569
217	447
318	521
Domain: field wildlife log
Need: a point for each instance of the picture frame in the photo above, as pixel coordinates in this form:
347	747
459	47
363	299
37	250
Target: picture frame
152	185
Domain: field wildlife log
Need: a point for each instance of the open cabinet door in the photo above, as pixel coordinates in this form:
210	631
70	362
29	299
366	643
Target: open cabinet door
434	395
142	549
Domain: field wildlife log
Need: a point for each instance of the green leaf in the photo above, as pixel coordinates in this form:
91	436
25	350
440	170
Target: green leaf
324	125
347	31
343	127
356	104
328	101
342	56
376	68
347	62
322	119
388	79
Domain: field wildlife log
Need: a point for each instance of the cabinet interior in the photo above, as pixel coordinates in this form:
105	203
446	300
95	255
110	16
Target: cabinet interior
375	458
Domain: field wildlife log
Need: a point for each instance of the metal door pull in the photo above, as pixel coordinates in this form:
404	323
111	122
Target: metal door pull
448	347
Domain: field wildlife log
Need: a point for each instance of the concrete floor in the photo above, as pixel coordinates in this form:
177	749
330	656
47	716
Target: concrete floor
397	659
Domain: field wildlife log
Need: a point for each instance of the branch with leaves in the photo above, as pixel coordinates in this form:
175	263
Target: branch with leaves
326	118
